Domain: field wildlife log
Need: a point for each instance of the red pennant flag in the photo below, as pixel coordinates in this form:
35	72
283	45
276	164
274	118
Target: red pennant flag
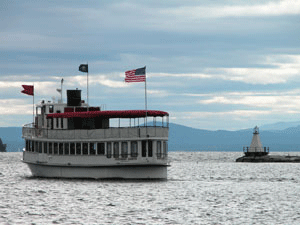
28	89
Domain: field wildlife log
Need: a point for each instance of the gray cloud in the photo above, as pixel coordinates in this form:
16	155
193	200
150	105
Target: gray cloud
190	49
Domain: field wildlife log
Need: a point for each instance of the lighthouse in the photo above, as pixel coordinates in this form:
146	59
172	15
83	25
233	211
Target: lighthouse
256	148
257	153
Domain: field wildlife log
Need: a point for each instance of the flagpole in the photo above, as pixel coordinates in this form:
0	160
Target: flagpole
87	88
33	106
87	85
146	95
61	90
85	68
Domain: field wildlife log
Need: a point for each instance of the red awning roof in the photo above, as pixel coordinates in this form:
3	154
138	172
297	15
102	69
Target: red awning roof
109	114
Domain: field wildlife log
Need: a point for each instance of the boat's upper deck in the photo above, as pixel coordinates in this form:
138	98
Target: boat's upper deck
76	120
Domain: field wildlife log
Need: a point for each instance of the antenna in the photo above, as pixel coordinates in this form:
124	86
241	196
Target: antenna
61	88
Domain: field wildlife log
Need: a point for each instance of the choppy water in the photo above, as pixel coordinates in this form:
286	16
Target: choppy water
202	188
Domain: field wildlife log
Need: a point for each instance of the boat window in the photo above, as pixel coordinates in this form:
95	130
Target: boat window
61	148
100	148
134	149
30	146
116	149
144	148
108	150
165	149
85	148
70	124
38	110
72	148
40	147
43	109
50	148
62	123
150	149
78	148
46	147
57	125
77	123
27	146
55	149
88	123
124	149
92	149
158	149
36	146
67	149
51	108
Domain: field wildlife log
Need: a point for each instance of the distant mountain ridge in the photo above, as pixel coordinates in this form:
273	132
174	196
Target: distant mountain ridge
12	136
183	138
280	125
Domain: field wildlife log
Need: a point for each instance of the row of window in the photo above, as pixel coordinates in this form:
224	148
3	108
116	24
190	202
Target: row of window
110	149
59	123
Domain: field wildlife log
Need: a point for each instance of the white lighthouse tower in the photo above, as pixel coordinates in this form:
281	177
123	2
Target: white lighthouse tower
256	148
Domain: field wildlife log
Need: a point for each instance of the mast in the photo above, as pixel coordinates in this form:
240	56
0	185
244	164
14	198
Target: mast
87	87
146	95
61	90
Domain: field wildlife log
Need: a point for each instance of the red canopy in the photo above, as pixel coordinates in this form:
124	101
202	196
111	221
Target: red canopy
109	114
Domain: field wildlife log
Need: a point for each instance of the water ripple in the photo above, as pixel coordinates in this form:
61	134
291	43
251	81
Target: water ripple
202	188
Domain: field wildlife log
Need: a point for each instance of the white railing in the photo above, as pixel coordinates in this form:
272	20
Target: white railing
122	132
255	149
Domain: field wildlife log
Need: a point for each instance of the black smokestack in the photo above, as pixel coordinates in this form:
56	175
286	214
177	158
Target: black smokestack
74	97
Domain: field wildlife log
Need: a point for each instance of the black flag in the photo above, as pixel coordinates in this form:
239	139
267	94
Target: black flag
84	68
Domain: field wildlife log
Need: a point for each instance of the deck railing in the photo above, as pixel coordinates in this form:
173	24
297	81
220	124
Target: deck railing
123	132
255	149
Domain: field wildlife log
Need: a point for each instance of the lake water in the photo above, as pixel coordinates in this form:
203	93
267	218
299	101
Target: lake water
202	188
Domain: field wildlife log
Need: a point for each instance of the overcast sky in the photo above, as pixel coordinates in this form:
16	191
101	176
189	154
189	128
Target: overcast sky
210	64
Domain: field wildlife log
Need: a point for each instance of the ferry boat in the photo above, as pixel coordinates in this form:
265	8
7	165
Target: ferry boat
73	140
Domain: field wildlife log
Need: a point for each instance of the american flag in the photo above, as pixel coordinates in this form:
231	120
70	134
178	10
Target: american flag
137	75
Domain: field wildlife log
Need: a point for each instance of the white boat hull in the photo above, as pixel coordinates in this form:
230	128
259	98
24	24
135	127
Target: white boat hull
100	172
